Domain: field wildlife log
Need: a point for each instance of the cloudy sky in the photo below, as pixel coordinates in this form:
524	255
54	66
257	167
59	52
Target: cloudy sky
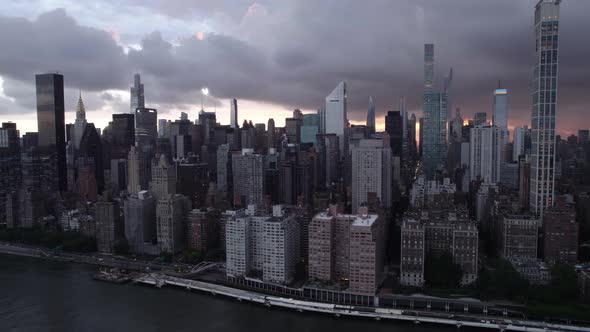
277	55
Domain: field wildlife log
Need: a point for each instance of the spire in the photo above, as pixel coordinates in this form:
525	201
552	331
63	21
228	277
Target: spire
80	109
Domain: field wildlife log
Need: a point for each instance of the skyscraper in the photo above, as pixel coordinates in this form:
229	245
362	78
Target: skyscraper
140	222
137	99
371	116
544	105
336	118
518	142
310	128
234	113
271	133
500	116
486	153
248	178
434	131
134	171
10	164
371	172
146	123
394	127
51	126
123	135
80	123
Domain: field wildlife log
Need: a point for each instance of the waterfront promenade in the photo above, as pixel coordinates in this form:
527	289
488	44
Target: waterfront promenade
429	317
381	313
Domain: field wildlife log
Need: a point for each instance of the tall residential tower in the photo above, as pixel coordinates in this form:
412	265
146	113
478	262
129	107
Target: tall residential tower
544	105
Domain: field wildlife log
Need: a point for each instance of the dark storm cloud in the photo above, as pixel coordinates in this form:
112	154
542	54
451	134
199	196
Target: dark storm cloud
54	42
294	53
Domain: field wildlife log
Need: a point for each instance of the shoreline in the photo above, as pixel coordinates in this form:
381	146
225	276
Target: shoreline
415	316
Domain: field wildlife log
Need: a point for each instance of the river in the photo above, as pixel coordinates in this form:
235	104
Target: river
41	295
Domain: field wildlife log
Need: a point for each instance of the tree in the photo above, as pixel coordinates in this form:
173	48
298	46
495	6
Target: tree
442	271
191	255
502	281
564	284
121	247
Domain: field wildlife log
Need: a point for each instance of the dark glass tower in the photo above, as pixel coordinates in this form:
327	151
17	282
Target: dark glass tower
394	127
51	127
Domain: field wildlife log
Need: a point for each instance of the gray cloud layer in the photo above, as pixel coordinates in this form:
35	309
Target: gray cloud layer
294	52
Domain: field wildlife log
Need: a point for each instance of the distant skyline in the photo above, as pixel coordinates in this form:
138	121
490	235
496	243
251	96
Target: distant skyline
275	56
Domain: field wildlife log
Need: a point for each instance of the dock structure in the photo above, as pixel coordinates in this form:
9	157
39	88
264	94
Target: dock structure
337	310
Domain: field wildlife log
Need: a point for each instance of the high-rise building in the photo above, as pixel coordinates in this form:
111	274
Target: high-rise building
336	116
266	244
394	127
10	164
202	229
140	223
518	142
122	131
297	114
500	115
91	148
524	181
310	128
583	136
486	153
135	171
518	237
371	116
560	234
80	123
328	149
412	136
162	128
208	120
171	212
544	105
434	129
480	119
248	178
51	127
437	232
146	122
137	99
271	133
163	182
109	226
371	173
347	246
222	167
293	130
193	182
233	116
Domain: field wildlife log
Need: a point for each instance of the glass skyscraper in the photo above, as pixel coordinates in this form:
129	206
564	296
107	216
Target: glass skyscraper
500	116
544	105
371	116
51	126
434	131
335	114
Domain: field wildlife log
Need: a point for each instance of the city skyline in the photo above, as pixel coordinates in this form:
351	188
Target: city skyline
385	76
468	216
